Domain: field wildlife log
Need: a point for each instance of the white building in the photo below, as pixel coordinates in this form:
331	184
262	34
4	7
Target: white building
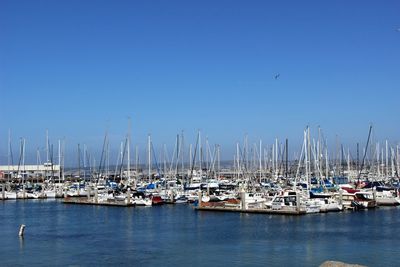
30	171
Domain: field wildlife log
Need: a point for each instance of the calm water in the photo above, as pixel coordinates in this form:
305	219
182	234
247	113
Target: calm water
63	235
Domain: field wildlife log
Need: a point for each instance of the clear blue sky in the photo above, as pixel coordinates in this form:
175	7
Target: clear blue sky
79	67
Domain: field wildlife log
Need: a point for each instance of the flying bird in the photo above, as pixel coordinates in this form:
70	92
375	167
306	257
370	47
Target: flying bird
277	76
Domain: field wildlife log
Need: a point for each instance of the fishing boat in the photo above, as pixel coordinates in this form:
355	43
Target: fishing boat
358	200
285	202
140	201
386	198
156	200
181	199
329	204
253	200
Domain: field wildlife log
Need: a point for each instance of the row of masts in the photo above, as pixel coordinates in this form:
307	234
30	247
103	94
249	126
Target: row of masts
257	160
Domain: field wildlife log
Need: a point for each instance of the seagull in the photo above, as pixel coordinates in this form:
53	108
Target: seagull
277	76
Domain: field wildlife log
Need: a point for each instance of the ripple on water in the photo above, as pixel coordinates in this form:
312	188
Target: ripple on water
69	235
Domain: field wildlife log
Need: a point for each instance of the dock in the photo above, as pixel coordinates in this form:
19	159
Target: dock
85	201
259	211
243	207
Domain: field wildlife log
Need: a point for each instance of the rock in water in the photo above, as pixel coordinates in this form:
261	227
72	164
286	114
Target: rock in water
339	264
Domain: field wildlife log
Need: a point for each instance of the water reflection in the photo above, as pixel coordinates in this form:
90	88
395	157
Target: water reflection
21	243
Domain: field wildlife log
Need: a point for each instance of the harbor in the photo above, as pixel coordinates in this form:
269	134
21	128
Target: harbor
199	133
262	203
266	181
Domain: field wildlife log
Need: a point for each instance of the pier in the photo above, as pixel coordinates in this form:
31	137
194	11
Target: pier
85	201
259	211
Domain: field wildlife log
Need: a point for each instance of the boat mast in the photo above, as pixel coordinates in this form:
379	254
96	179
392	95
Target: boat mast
207	155
365	153
9	155
319	155
260	159
190	157
306	155
149	156
200	153
129	151
378	168
387	160
273	160
392	163
287	158
23	156
59	160
276	158
397	161
136	164
177	156
47	145
182	151
63	159
79	162
348	161
303	148
238	160
107	158
219	162
37	164
326	163
84	161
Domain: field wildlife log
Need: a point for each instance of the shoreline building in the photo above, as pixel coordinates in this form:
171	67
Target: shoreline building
42	172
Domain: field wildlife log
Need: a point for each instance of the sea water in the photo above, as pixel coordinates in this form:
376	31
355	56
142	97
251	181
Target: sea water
60	234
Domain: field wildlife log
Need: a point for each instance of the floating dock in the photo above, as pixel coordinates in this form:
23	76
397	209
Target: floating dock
260	211
85	201
243	207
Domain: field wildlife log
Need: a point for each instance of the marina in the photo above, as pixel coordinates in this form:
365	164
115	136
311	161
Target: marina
259	206
265	183
199	133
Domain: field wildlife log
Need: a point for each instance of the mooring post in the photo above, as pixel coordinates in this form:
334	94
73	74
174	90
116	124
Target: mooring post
171	196
128	196
199	195
96	196
374	193
21	230
243	199
88	193
297	202
4	191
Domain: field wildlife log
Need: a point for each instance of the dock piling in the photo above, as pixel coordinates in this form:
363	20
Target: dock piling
96	195
374	193
243	200
128	196
199	195
88	193
21	230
